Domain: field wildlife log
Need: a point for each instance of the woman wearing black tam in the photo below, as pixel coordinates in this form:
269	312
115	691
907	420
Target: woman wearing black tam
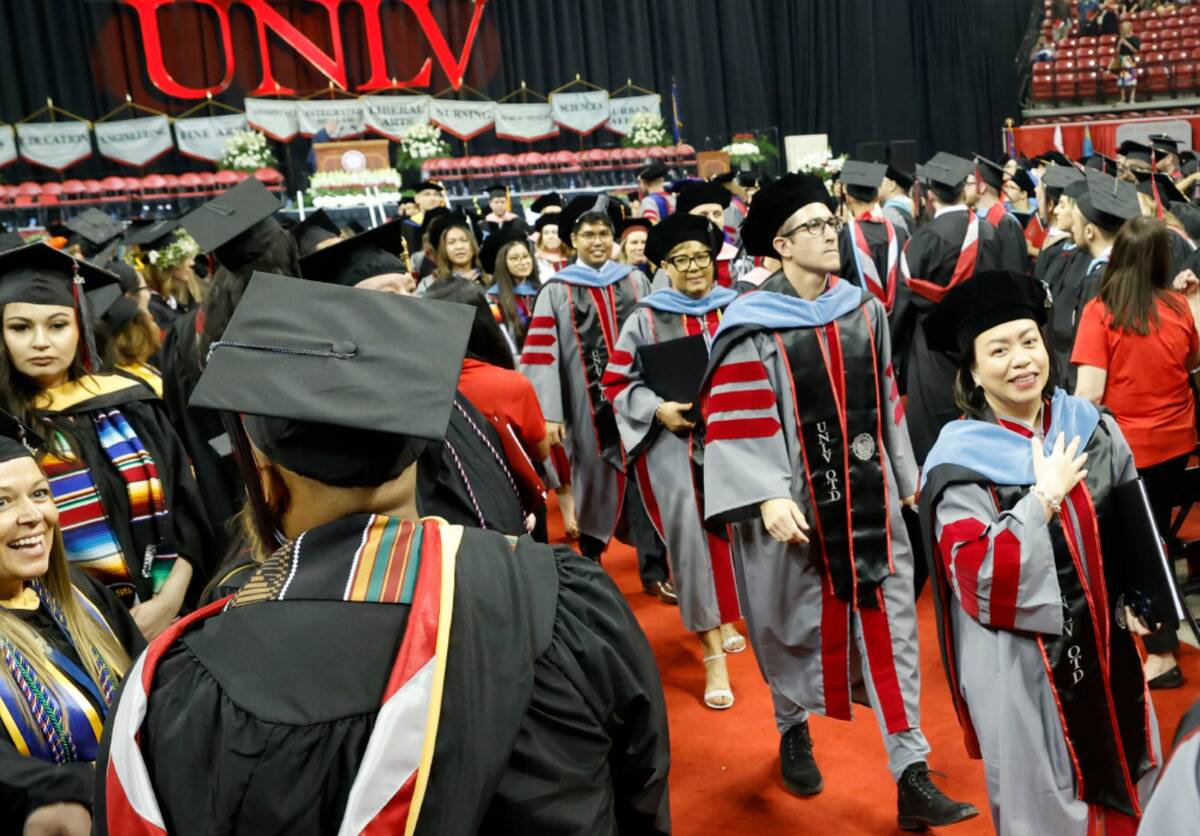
1016	502
66	642
507	259
656	431
118	469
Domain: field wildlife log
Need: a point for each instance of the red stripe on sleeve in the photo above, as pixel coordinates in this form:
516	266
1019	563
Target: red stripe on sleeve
741	428
1006	578
745	372
540	339
762	398
968	534
536	358
542	322
620	358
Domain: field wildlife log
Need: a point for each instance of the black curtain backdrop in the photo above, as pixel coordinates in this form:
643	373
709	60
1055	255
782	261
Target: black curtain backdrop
941	72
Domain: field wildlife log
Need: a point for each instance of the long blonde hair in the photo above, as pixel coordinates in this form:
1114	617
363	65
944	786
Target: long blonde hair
88	637
186	288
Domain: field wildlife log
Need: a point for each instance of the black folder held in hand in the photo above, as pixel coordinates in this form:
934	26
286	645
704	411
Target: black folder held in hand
675	369
1135	562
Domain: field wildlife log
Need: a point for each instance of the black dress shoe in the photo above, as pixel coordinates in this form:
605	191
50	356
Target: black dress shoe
921	804
1168	679
796	762
663	591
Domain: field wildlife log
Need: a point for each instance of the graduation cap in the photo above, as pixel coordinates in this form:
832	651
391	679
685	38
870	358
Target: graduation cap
153	235
17	440
334	384
549	202
95	227
10	241
654	171
747	180
946	174
429	186
723	178
584	203
486	342
431	216
1101	163
680	228
313	230
990	298
443	223
701	193
991	173
1053	157
633	225
1132	150
238	225
548	219
1108	202
1024	181
127	277
775	203
496	190
495	242
863	179
1167	191
1058	177
112	307
1163	144
408	198
349	261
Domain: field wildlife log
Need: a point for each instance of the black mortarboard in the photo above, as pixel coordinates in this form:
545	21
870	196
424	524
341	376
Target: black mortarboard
112	307
95	227
634	224
407	198
349	261
862	179
549	200
1164	144
548	219
584	203
10	241
127	277
775	203
1131	150
429	186
988	299
1108	202
1053	157
153	235
1059	177
701	193
677	229
1099	162
17	441
237	226
495	242
1076	189
439	226
946	174
747	180
337	385
431	216
991	173
1167	191
654	171
723	178
41	275
496	190
316	228
1024	181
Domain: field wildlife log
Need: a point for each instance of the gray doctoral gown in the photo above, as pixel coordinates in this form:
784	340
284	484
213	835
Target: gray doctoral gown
796	625
700	561
554	360
1002	672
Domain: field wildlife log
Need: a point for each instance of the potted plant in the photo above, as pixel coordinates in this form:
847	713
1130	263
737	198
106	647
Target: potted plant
420	143
247	150
645	130
746	151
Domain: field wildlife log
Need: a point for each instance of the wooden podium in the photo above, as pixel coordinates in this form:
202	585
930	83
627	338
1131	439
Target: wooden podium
371	154
711	163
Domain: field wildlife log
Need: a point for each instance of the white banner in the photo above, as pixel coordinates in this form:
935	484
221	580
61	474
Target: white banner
580	112
8	145
463	119
525	122
134	142
274	117
340	118
55	144
621	111
204	137
391	116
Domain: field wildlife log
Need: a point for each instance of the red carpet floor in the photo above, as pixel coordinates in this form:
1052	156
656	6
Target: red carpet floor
725	764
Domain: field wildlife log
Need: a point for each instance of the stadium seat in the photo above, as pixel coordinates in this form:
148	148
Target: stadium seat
1089	85
1043	88
1185	76
1066	86
1158	79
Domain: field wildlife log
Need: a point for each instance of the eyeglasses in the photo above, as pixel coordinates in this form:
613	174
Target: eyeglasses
594	236
816	228
685	262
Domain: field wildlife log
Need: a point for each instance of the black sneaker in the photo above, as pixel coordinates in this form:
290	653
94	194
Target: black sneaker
922	805
800	773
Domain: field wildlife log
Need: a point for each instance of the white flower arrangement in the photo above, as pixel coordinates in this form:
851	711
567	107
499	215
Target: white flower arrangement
247	151
823	164
181	248
746	149
350	200
420	143
346	189
645	130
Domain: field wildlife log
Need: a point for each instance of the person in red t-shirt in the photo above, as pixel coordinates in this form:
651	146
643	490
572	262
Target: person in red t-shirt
1136	344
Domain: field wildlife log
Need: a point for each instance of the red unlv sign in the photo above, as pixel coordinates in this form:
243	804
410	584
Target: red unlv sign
331	65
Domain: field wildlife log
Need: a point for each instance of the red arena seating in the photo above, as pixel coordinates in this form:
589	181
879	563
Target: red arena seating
227	178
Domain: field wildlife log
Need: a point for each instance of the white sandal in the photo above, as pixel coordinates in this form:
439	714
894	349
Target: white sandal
734	644
717	693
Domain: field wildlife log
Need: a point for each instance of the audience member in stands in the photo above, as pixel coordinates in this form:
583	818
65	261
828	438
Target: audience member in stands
1108	20
1136	343
1128	47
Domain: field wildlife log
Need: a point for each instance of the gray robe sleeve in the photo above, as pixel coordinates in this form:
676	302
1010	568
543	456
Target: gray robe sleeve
634	402
895	427
541	357
746	456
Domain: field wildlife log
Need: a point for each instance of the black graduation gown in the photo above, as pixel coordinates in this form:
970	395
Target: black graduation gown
27	783
552	719
1014	252
200	430
1078	286
932	254
1181	251
877	241
164	314
189	534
